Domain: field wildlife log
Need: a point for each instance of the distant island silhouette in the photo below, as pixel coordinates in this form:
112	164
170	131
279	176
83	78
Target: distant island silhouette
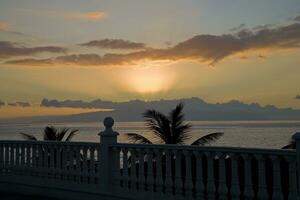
195	109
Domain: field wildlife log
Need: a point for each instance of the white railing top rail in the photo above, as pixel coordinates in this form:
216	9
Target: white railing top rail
49	142
285	152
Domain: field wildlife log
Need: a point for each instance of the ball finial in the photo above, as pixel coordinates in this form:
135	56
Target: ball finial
108	122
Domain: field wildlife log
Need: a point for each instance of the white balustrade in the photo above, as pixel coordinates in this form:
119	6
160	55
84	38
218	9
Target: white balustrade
156	171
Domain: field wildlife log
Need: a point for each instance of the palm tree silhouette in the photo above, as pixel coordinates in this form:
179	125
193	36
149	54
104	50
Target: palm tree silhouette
170	129
52	134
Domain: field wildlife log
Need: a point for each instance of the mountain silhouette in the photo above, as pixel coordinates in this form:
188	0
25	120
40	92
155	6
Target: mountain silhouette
195	109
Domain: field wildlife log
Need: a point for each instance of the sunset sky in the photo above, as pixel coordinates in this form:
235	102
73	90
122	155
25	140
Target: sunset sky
134	49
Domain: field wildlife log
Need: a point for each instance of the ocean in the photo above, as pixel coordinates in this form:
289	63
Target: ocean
261	134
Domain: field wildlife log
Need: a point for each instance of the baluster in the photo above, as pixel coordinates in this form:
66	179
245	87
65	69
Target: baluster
6	157
277	192
41	159
133	170
46	160
178	175
78	163
211	188
235	185
188	175
58	162
150	175
92	165
28	156
72	160
168	180
69	163
23	167
292	194
159	178
141	176
34	159
98	164
222	189
1	158
17	159
199	174
125	168
84	164
262	186
52	160
12	156
248	188
117	167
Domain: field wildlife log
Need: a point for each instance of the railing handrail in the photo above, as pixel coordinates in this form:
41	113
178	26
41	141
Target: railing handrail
266	151
49	142
209	148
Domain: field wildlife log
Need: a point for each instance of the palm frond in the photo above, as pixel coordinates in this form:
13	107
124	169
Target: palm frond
178	127
28	137
208	138
290	145
50	133
136	138
71	135
60	134
159	124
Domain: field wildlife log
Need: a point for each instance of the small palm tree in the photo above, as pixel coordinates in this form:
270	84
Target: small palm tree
170	129
51	133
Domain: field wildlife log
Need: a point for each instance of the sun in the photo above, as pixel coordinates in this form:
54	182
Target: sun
149	80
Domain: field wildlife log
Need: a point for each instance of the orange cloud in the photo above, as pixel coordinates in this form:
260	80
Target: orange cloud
201	48
92	15
3	26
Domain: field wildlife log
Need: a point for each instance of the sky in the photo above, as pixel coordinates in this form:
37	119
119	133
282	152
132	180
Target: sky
136	49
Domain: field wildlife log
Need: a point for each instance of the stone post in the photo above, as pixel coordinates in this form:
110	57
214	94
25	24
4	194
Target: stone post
296	137
107	158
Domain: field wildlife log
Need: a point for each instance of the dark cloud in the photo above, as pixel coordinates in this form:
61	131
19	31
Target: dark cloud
10	49
19	104
241	26
114	44
297	97
261	27
2	103
297	18
202	48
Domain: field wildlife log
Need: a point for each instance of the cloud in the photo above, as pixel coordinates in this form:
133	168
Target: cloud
241	26
261	27
3	26
19	104
261	56
77	103
10	49
2	103
297	18
297	97
202	48
114	44
92	15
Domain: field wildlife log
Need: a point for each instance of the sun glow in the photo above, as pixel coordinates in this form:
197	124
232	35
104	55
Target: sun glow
149	80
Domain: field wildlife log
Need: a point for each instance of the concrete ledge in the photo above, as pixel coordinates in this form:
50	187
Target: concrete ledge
48	192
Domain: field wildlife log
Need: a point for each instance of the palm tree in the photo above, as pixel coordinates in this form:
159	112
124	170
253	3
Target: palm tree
52	134
170	129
